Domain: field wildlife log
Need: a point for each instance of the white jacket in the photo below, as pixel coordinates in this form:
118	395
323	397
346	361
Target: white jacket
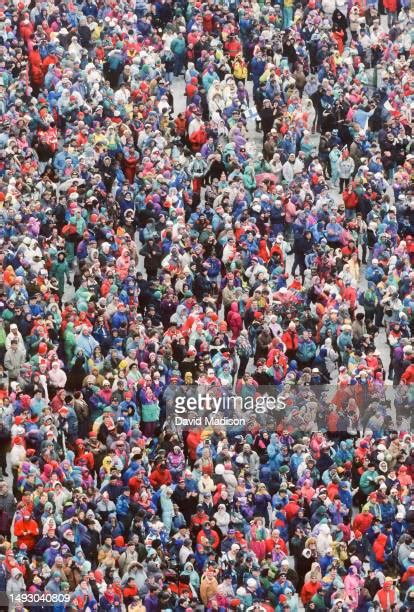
328	6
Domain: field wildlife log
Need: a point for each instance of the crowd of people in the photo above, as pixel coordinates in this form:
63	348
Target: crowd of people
206	194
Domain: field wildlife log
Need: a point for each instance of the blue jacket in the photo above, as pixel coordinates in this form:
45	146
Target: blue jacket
257	68
306	350
122	506
374	273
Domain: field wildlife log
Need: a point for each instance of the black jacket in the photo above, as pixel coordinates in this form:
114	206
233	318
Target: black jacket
302	245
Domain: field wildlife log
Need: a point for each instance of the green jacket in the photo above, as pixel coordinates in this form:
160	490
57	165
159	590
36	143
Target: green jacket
368	482
178	46
150	413
249	179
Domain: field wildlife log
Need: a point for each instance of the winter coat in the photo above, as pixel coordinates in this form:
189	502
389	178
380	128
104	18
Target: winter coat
15	584
346	167
150	412
306	350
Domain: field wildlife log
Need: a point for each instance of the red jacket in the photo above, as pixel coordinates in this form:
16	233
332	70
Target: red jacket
350	199
290	340
276	249
362	522
386	596
291	510
130	592
212	537
26	30
208	21
159	478
191	88
233	47
199	519
281	359
197	139
271	543
390	5
85	457
408	376
36	74
35	59
192	441
350	295
378	547
332	490
309	589
134	484
264	252
26	531
234	319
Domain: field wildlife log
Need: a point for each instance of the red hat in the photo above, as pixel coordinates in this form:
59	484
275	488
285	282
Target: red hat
119	541
42	349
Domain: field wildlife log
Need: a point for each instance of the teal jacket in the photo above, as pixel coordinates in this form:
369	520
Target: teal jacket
150	413
306	350
178	46
368	482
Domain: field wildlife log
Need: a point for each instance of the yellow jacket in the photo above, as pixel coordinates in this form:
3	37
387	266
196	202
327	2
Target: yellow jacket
239	69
